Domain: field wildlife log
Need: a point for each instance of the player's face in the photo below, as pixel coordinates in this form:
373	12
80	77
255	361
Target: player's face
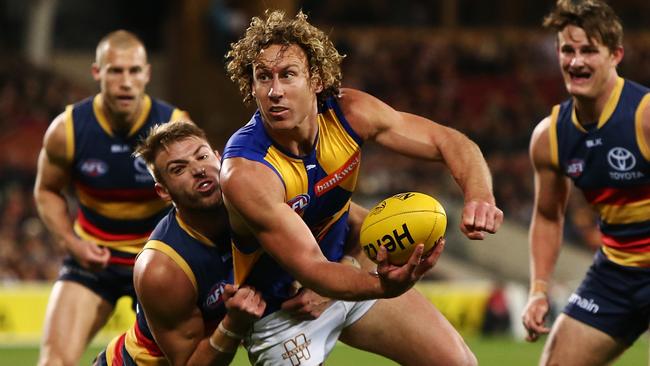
587	65
189	169
283	89
123	74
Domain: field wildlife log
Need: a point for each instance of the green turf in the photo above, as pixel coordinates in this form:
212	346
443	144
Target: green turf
489	351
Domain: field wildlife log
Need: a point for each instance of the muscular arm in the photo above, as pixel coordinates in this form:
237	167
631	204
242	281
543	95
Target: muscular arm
418	137
551	196
545	235
168	300
260	209
52	177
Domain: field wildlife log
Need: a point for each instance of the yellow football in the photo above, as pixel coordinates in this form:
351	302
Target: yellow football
399	223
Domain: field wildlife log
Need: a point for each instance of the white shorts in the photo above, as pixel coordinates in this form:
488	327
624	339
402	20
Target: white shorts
278	339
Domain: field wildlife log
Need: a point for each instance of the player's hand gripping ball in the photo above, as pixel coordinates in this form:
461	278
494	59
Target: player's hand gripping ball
401	222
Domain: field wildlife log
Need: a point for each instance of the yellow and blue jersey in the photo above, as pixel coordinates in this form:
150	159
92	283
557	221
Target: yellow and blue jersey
318	187
208	266
609	162
118	206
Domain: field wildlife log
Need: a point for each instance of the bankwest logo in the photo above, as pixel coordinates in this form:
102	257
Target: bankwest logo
326	184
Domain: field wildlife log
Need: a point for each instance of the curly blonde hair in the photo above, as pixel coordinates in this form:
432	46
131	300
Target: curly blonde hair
594	16
323	58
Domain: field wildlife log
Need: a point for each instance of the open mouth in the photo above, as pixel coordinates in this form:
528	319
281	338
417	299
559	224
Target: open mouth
579	76
205	185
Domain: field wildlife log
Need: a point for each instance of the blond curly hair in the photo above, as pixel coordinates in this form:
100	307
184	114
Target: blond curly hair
322	57
594	16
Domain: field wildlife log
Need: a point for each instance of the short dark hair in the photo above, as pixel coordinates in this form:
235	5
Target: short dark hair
162	135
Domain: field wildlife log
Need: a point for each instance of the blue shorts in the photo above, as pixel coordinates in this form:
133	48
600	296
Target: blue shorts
613	298
111	283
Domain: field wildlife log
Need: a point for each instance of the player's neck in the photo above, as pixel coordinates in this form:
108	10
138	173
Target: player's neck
121	123
299	140
588	110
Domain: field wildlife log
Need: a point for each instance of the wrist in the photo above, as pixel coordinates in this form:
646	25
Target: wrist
538	288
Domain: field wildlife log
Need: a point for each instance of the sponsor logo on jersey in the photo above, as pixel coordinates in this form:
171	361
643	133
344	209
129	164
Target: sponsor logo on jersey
94	167
575	167
328	183
141	172
120	148
297	349
215	296
299	203
622	161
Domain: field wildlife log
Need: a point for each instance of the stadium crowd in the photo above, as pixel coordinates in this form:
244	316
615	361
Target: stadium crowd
492	86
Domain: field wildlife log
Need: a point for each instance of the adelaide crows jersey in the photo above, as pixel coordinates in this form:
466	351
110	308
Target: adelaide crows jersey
318	187
610	164
206	264
118	206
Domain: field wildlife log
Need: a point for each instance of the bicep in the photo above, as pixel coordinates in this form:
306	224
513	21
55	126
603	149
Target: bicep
168	300
262	210
53	161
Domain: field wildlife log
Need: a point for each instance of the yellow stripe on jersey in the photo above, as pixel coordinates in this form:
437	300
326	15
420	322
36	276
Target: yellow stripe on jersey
626	258
638	124
140	354
335	147
193	233
243	263
608	109
552	137
122	210
69	134
171	253
625	214
142	118
106	126
292	171
128	246
110	350
178	115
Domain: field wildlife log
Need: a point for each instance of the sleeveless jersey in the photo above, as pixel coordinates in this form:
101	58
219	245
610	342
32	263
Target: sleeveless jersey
208	266
118	206
318	187
610	164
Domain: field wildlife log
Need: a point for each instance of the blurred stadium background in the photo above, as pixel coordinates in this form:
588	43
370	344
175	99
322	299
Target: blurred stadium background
483	67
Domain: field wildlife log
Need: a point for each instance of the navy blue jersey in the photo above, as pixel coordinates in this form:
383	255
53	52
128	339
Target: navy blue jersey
609	162
208	266
118	206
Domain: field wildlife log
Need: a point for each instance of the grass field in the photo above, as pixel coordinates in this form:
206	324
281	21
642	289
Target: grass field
490	352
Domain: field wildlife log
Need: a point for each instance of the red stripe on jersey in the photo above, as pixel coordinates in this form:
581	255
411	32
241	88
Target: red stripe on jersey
119	195
617	196
147	343
103	235
632	245
122	261
117	356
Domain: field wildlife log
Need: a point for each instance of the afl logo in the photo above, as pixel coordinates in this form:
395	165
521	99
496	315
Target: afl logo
575	168
215	297
621	159
94	167
299	203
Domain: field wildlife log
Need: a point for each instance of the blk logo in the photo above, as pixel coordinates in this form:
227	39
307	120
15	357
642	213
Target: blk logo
621	159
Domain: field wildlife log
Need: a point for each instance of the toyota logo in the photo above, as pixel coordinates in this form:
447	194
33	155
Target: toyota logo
621	159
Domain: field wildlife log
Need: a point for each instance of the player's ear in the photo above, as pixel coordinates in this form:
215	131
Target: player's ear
162	192
95	70
618	55
316	84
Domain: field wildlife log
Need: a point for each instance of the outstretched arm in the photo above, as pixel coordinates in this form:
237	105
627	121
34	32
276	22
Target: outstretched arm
418	137
545	235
